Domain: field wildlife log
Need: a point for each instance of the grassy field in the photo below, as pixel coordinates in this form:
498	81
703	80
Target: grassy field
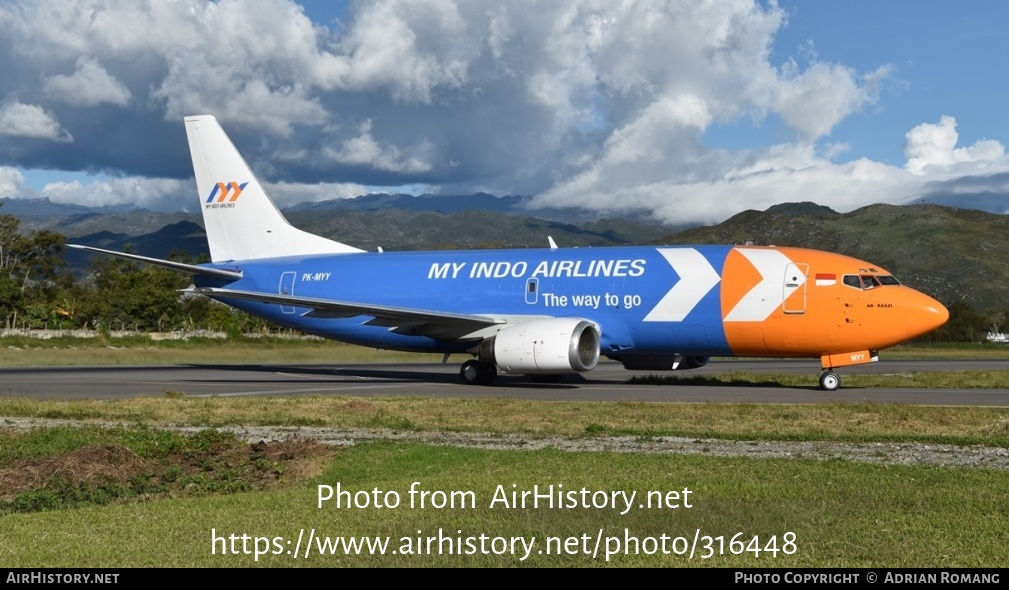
973	379
856	422
31	352
781	513
24	352
136	496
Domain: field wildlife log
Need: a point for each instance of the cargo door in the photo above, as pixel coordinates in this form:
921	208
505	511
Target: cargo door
794	288
287	288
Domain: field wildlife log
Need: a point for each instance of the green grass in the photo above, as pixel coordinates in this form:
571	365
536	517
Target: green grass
974	379
846	422
946	351
842	514
19	351
29	352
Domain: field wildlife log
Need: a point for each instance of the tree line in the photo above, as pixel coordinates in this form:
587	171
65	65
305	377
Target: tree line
38	290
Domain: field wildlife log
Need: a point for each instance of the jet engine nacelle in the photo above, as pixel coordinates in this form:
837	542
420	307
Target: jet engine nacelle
548	346
662	362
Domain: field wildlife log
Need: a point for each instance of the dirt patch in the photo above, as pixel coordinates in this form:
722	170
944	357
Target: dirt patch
91	463
213	463
359	405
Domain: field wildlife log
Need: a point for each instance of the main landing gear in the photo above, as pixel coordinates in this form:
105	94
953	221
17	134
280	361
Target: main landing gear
829	380
474	372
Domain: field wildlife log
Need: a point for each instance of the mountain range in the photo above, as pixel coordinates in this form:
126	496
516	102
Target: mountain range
951	253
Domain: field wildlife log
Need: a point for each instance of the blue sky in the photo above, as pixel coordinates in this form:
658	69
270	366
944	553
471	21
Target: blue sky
691	112
948	59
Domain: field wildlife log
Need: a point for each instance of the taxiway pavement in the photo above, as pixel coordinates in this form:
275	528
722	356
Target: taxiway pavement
608	382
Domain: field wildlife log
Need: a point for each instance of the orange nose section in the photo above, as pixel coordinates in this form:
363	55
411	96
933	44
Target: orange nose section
923	314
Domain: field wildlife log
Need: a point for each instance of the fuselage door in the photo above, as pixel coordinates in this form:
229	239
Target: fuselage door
287	288
795	280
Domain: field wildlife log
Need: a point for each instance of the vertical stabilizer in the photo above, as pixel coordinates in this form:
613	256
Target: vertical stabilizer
242	222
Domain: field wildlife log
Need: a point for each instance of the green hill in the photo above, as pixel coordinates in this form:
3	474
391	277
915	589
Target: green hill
952	254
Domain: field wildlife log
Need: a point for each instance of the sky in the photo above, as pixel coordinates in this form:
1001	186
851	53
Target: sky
686	111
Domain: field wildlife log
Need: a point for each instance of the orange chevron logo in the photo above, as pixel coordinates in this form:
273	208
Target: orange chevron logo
222	191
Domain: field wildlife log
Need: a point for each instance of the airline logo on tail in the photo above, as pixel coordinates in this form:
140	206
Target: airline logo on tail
225	194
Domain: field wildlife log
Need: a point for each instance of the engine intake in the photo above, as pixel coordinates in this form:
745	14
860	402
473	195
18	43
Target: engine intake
550	346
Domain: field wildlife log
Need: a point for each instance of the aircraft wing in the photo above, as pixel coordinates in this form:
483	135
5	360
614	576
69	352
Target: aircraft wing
437	324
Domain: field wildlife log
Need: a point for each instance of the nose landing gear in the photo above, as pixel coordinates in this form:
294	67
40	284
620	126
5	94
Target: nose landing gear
829	380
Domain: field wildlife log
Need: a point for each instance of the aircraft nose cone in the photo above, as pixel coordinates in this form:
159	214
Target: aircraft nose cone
926	315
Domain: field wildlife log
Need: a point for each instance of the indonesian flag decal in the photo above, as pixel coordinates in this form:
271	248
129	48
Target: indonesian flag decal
825	280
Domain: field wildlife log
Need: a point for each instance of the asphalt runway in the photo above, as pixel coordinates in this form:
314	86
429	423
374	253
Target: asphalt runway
606	382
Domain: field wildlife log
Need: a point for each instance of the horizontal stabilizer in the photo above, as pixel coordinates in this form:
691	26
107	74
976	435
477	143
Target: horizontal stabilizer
218	273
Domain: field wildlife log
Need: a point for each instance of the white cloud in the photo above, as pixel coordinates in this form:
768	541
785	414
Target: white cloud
158	194
814	101
90	85
669	70
755	179
12	183
407	48
199	88
29	120
285	194
932	147
248	61
165	194
718	184
363	150
586	103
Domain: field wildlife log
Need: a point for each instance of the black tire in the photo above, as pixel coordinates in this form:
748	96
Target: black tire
474	372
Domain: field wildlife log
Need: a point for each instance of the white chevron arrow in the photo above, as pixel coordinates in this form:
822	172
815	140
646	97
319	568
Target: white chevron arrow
697	277
766	295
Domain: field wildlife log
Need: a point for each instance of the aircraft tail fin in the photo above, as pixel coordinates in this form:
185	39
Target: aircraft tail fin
242	222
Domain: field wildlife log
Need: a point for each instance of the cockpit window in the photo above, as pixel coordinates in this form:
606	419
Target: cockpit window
867	281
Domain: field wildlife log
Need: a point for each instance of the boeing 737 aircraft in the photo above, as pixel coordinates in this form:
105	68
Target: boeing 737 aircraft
542	312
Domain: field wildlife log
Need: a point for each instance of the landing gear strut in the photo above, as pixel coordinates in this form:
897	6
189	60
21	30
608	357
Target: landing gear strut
474	372
829	380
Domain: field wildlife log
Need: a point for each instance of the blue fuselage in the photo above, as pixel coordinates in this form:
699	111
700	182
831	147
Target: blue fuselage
617	288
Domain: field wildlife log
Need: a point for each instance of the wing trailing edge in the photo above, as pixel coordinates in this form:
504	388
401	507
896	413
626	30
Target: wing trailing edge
423	321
